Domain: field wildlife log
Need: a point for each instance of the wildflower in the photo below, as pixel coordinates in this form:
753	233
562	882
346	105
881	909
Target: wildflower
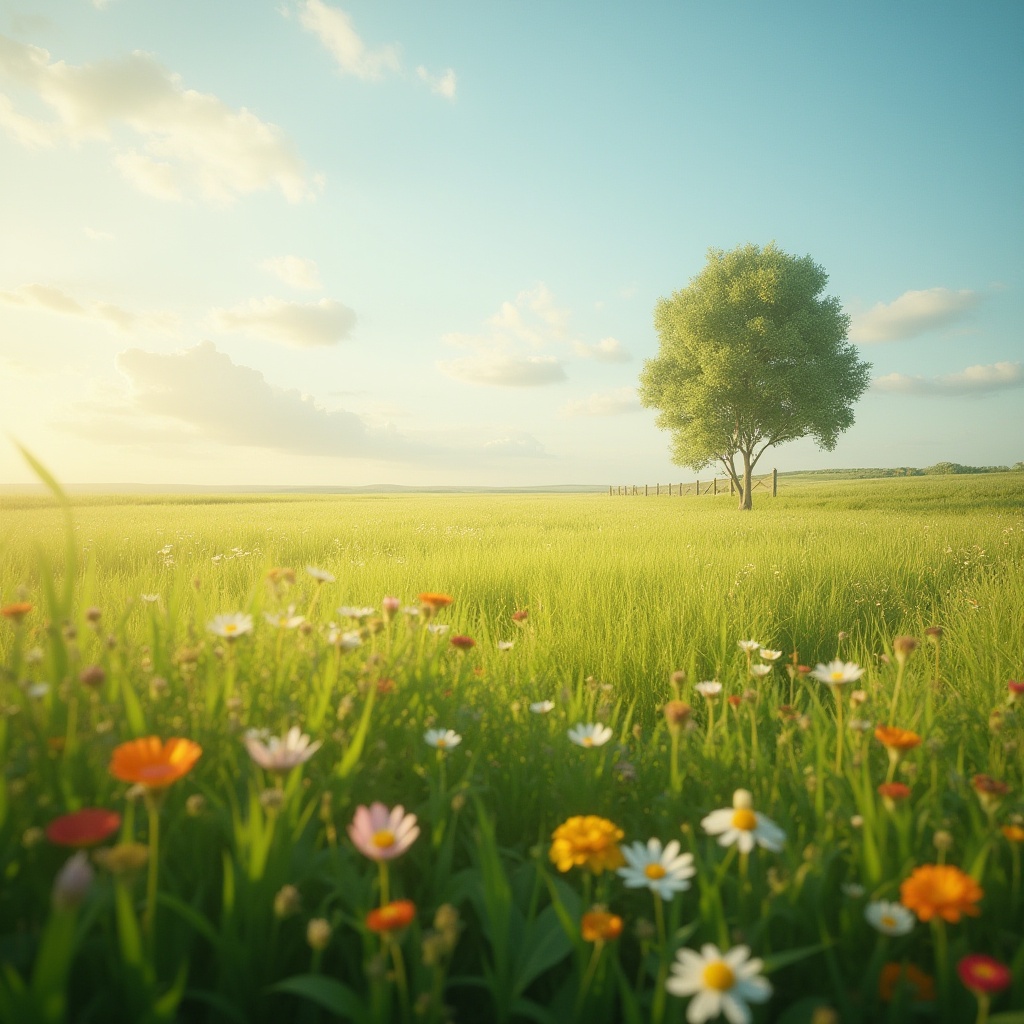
287	901
392	916
853	889
542	707
92	676
438	628
858	697
735	700
942	840
983	975
231	626
280	575
721	983
743	826
889	918
676	713
760	670
598	925
72	882
990	791
587	841
280	755
893	793
320	575
940	890
769	655
195	805
506	645
150	598
272	800
462	643
860	724
896	741
662	870
709	689
748	646
381	833
896	975
1014	833
318	933
86	827
17	611
590	735
837	672
123	860
1016	689
38	690
285	620
347	640
521	615
32	836
442	739
903	647
153	763
431	602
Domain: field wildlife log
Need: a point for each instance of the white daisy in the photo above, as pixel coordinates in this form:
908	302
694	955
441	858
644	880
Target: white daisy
231	626
285	620
837	672
442	739
721	983
347	640
590	735
663	870
749	646
350	612
760	670
744	827
769	655
889	918
437	627
709	689
542	707
853	889
506	645
320	575
150	598
282	754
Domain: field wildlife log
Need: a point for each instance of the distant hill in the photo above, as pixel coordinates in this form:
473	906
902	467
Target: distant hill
939	469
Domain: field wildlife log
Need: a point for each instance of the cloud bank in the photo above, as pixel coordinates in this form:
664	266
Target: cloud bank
913	313
53	300
299	324
975	380
604	403
192	144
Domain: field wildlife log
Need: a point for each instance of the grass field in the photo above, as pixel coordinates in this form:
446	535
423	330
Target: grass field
619	594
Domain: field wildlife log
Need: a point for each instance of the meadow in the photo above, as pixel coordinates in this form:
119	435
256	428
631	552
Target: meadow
833	834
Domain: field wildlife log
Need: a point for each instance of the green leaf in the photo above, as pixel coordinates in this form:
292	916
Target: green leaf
226	1010
325	992
1010	1017
533	1011
546	945
355	750
776	961
188	913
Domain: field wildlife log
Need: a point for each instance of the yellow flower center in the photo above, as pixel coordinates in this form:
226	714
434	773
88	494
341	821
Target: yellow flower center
744	819
588	741
654	871
230	628
384	838
837	677
441	744
888	921
718	975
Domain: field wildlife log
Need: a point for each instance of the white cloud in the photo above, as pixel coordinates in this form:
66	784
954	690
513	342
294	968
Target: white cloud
192	143
605	403
223	402
333	27
913	313
303	325
294	272
975	380
607	350
517	445
53	300
496	368
444	84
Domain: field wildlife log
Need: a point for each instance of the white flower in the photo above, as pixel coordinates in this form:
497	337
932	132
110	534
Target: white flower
72	882
347	640
442	739
282	754
150	598
709	689
411	610
889	918
760	670
38	690
320	575
590	735
231	626
355	613
860	724
769	655
852	889
744	827
542	707
721	983
285	620
506	645
836	672
437	627
749	645
662	870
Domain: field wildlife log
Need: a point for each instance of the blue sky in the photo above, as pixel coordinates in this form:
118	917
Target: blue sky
314	242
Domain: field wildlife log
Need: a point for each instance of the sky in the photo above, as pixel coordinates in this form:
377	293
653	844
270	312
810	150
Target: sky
343	242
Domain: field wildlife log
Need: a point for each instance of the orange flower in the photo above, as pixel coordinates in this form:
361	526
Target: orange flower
152	762
893	792
1014	833
921	985
17	611
893	738
86	827
392	916
940	890
435	601
600	926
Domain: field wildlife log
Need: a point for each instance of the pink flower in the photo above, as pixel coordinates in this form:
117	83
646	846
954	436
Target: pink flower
382	834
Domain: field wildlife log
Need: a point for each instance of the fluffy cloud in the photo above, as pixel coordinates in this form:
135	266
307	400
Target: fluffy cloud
443	84
496	368
53	300
975	380
607	350
913	313
301	324
218	400
333	27
192	144
605	403
294	272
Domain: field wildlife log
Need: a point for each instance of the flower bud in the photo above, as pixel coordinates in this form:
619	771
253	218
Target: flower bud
318	933
287	902
72	882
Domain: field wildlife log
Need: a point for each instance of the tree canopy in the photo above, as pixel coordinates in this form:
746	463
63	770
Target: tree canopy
752	355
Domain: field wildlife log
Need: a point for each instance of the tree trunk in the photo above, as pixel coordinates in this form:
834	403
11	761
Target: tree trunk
746	503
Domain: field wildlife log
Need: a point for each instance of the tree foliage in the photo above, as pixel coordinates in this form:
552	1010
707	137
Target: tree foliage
752	355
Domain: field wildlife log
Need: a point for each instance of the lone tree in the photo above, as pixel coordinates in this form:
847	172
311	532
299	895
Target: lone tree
751	355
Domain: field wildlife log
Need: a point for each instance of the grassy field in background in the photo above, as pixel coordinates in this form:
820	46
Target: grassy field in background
620	593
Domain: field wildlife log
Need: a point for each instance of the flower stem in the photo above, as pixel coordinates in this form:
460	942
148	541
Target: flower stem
151	878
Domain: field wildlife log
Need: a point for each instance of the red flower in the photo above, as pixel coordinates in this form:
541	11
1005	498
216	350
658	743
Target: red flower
982	974
17	611
83	828
521	615
392	916
462	643
894	791
1016	689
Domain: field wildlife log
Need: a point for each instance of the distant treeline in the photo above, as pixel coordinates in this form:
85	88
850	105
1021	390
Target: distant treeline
939	469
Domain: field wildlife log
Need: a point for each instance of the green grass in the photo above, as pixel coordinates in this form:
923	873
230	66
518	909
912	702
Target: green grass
621	592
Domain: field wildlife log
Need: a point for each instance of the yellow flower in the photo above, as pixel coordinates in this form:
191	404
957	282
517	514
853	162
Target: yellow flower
587	841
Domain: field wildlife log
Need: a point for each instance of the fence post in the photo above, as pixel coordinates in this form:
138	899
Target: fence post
698	489
646	495
657	491
714	485
775	483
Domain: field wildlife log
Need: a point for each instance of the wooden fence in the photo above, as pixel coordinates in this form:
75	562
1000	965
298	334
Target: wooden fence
719	485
